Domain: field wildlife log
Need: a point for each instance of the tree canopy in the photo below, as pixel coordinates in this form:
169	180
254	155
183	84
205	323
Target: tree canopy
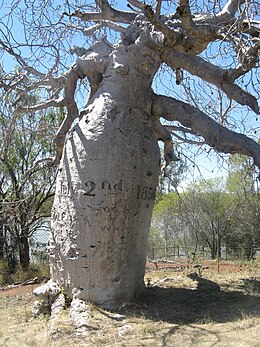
217	42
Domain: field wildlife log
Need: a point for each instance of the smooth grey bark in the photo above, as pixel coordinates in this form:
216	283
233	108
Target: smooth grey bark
106	187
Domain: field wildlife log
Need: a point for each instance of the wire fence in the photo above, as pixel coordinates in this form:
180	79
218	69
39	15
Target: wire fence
15	281
192	252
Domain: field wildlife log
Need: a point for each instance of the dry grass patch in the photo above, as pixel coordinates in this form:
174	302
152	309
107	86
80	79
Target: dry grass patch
177	309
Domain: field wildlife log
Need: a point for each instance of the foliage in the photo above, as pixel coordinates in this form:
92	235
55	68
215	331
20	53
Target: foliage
26	176
5	277
164	217
38	270
213	214
242	184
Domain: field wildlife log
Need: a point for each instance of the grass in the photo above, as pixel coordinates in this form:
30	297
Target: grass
179	309
39	270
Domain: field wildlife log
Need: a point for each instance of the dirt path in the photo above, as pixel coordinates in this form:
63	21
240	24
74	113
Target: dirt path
17	290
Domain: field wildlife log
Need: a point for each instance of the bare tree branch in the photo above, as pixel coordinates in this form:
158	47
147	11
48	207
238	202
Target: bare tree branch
113	25
137	4
208	30
221	78
184	139
215	135
171	35
158	7
107	13
20	60
229	11
85	31
72	112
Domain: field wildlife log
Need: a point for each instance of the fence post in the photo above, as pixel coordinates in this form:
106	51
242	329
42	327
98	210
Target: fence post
153	253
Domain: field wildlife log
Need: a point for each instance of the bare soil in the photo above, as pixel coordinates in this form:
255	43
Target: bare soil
17	290
179	308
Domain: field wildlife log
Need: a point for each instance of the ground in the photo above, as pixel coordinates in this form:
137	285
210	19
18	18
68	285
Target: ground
180	308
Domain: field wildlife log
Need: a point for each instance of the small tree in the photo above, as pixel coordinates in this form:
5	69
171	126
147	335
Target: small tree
242	184
207	210
165	220
26	182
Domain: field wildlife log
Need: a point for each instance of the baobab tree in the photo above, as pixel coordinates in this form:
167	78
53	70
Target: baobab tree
108	158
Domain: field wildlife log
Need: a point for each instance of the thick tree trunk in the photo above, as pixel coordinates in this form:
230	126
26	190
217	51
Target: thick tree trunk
2	241
24	252
104	199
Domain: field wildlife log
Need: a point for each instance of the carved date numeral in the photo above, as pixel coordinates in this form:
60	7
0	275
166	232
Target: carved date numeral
146	193
90	188
105	186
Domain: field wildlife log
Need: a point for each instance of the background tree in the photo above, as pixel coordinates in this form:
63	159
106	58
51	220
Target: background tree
109	166
165	219
243	185
207	211
26	178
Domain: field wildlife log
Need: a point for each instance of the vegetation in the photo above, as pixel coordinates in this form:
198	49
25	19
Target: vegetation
37	271
212	214
26	176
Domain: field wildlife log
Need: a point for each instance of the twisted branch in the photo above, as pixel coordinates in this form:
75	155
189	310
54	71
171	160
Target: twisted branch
214	134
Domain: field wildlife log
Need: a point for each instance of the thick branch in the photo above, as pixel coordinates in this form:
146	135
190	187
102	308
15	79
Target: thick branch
225	16
215	135
137	4
91	63
69	82
229	11
107	13
158	7
174	128
208	30
171	36
113	25
72	111
251	27
221	78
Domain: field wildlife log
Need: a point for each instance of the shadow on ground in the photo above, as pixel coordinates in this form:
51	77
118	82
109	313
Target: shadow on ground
206	304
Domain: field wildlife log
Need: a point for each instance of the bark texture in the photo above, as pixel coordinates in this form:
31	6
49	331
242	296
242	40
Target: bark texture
106	189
